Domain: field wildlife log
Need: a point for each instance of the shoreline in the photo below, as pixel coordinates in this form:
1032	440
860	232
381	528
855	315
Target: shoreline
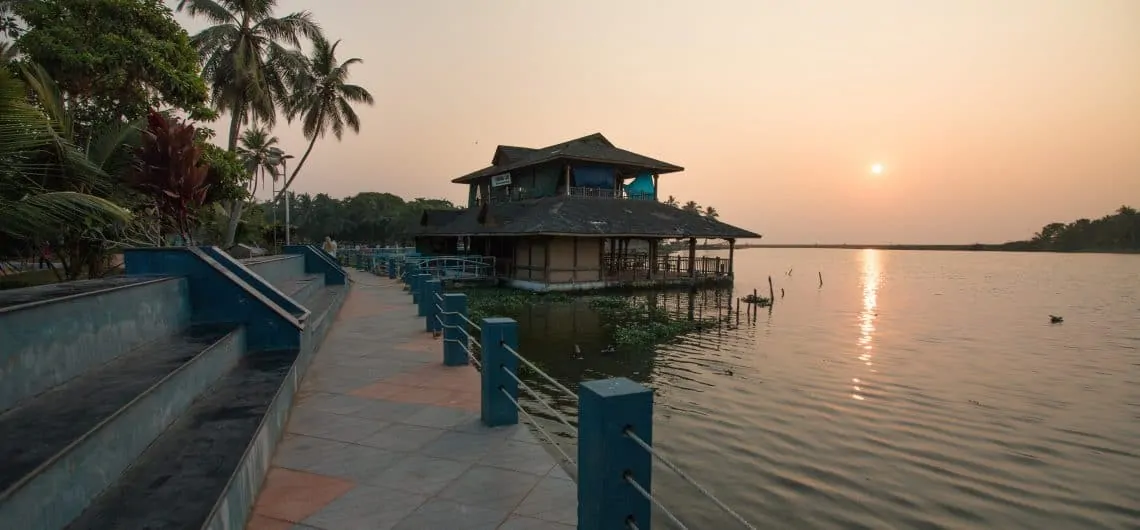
977	247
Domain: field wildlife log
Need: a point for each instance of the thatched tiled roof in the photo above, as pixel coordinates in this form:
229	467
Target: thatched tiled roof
593	148
579	216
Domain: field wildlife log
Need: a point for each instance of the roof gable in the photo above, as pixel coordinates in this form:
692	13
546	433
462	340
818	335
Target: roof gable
590	148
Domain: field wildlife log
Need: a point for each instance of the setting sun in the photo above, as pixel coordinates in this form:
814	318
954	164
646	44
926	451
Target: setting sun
877	169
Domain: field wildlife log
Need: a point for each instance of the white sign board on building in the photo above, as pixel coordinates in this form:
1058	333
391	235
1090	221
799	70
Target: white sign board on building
500	180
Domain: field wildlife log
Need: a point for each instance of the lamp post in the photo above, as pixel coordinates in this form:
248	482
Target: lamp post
284	159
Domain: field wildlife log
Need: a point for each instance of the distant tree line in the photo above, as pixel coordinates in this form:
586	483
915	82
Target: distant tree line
366	218
1119	231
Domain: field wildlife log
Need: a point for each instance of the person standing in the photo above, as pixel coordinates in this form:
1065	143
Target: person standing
329	246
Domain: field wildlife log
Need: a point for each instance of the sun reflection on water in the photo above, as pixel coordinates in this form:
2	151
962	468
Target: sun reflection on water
872	280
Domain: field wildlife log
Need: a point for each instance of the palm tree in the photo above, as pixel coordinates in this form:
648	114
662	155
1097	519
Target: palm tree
692	207
258	151
323	98
245	61
711	212
247	65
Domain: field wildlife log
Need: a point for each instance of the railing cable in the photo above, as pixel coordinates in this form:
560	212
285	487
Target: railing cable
538	398
534	422
469	322
546	376
673	467
649	497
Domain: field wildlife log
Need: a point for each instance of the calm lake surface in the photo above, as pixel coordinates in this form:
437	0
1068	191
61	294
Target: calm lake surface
913	390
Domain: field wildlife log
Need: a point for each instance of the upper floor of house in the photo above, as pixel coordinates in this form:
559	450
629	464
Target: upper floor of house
588	167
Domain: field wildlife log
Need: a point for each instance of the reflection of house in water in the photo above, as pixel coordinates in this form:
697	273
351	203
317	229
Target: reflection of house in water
563	218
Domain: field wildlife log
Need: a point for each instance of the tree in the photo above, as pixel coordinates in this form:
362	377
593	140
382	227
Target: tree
28	206
323	98
258	153
1114	232
246	63
671	201
113	59
692	207
711	212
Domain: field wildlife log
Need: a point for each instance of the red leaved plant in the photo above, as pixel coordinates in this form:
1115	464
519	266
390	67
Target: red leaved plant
171	172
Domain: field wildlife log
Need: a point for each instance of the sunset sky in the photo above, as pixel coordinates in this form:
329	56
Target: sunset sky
990	118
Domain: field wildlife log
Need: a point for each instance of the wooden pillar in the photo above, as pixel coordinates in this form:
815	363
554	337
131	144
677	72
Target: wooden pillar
731	252
566	173
655	186
546	260
692	257
652	259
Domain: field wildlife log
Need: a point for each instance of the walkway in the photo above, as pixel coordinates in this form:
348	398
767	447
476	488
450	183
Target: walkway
383	436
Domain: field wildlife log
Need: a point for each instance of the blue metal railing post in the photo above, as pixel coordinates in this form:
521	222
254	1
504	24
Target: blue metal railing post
416	286
391	268
433	305
606	408
422	301
496	409
455	308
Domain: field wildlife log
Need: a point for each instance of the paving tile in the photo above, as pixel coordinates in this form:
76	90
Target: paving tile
518	522
489	487
389	411
337	459
424	395
440	376
366	508
419	474
401	437
294	495
442	417
463	447
333	426
519	456
261	522
447	515
553	499
329	402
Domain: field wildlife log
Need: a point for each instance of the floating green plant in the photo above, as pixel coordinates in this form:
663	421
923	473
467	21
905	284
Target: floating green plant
633	323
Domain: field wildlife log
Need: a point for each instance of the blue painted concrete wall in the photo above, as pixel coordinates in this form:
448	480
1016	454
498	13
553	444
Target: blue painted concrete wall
218	296
318	262
280	269
47	343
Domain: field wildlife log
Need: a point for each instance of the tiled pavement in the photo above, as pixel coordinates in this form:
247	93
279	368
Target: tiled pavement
383	436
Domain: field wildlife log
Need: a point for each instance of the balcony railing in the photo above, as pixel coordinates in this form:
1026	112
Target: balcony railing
578	192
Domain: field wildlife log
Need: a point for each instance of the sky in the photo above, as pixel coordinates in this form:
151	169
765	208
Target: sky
990	118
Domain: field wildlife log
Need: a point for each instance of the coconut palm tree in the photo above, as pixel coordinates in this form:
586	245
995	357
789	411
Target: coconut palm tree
322	98
37	153
245	58
711	212
692	206
247	64
257	149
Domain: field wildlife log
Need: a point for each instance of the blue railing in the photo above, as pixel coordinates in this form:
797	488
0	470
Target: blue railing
615	457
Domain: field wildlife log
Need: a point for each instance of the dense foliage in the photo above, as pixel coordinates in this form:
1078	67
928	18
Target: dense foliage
368	218
114	58
1116	232
96	152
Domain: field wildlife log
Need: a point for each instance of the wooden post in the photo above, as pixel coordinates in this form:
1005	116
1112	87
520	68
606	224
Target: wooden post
692	257
567	176
731	251
655	187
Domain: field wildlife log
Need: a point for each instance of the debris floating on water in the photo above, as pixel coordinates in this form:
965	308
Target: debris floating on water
1054	319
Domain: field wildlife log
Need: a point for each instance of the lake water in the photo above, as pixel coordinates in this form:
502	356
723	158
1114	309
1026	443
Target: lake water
911	390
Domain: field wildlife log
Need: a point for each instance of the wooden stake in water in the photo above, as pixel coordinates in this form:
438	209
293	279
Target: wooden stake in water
821	280
771	292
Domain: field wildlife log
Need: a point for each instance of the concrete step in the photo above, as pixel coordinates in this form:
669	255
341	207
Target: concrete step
303	289
277	270
179	480
52	333
64	447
